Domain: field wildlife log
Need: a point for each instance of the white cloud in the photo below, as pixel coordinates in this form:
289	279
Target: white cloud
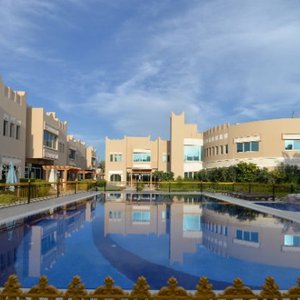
218	61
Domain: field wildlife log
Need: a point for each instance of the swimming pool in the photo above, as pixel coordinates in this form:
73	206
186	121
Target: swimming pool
125	236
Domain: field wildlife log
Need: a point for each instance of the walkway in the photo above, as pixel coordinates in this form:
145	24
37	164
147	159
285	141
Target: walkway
289	215
13	213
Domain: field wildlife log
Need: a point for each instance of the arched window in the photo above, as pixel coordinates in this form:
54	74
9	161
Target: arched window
115	177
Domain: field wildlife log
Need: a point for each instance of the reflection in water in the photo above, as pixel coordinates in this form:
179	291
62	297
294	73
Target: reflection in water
129	235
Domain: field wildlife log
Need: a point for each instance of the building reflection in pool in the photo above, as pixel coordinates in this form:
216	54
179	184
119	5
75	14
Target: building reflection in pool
227	230
179	233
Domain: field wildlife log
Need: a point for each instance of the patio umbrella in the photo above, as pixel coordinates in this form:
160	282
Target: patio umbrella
52	177
11	176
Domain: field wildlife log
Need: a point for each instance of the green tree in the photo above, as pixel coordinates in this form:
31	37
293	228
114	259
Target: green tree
246	172
163	176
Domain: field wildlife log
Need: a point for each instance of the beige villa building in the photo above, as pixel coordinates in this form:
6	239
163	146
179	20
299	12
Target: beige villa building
36	142
134	159
12	130
266	143
46	141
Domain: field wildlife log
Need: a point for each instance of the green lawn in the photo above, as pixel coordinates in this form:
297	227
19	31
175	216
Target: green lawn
7	198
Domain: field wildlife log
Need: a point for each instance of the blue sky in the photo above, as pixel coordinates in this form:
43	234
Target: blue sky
120	67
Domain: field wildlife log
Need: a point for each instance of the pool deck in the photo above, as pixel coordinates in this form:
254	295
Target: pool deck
289	215
9	214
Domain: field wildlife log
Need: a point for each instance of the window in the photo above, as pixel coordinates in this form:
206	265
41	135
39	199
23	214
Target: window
192	153
226	149
5	127
254	146
115	215
117	157
72	154
50	140
165	157
191	222
249	236
221	150
239	234
239	147
189	175
247	147
115	177
18	128
141	216
141	156
292	144
292	240
11	130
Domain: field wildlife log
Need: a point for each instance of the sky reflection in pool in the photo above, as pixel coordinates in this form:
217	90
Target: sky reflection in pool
157	237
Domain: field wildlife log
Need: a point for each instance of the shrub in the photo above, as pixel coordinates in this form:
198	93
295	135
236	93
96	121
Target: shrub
42	187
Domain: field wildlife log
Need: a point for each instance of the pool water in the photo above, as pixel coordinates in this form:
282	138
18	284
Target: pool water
125	236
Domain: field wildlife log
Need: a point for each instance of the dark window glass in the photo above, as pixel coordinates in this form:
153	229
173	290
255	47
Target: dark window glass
11	130
239	234
50	140
18	132
246	235
254	146
239	147
254	237
5	125
246	146
72	154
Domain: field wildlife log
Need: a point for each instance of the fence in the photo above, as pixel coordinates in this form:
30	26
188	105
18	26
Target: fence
141	290
26	192
19	193
248	190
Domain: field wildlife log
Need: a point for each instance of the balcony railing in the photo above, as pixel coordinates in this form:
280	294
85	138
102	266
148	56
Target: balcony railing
141	290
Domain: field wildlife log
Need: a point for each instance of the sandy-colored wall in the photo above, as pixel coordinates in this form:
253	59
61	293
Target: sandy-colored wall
179	131
90	154
126	147
271	143
13	109
125	225
37	121
34	143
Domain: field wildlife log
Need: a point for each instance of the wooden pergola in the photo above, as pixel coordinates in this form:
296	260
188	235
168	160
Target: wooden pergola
138	171
65	169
